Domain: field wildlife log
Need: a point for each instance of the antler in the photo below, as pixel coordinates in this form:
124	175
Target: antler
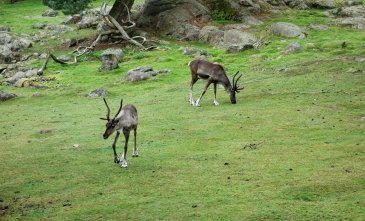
108	114
120	108
235	85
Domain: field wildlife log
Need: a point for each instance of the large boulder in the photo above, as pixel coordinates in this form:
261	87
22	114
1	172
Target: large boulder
285	29
235	40
177	18
212	35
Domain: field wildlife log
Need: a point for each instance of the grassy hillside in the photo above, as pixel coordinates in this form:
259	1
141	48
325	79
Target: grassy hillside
292	148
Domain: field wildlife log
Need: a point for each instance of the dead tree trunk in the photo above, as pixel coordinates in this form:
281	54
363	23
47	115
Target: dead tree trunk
121	10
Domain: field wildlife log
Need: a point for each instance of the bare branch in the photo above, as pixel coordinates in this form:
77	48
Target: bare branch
124	33
44	66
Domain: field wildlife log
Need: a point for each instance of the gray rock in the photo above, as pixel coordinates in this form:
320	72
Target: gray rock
20	44
236	40
240	27
238	48
143	73
251	21
10	46
59	28
293	47
49	13
64	58
318	27
110	59
39	25
5	38
21	74
88	21
285	29
4	96
6	55
72	19
190	32
352	11
297	4
353	16
173	17
4	28
356	22
212	35
194	51
100	92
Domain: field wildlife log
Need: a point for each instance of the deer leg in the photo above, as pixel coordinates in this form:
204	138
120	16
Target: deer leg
215	95
114	144
193	81
197	103
123	158
135	149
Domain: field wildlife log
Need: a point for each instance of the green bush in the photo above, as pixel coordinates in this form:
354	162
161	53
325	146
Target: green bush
67	6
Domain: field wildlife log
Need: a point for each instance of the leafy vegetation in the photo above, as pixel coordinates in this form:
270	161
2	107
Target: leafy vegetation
290	149
68	7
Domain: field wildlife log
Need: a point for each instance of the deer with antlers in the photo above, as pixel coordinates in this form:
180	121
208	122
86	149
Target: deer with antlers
212	73
125	120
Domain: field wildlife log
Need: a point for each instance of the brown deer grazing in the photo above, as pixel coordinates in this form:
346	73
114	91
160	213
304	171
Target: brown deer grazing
124	121
212	73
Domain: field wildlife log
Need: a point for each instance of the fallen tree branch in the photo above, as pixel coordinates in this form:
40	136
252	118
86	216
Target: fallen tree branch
44	66
124	33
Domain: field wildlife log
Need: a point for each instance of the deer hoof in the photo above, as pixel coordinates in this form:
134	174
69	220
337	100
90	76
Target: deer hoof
116	160
123	164
215	103
135	153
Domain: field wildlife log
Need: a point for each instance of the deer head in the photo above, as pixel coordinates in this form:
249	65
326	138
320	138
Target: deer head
235	88
111	123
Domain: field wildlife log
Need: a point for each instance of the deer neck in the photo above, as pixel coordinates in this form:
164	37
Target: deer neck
227	86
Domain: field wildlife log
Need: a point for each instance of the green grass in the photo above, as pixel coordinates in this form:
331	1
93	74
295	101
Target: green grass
292	148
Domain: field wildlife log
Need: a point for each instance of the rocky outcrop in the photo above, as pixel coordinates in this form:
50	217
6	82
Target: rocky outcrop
353	16
11	46
177	18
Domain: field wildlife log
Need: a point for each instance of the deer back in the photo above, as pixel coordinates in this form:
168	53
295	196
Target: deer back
128	117
206	69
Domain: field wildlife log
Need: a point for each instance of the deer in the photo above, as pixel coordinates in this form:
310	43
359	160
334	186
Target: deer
212	73
125	120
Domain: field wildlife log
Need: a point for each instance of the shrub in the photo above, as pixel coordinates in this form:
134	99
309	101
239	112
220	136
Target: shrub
67	6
